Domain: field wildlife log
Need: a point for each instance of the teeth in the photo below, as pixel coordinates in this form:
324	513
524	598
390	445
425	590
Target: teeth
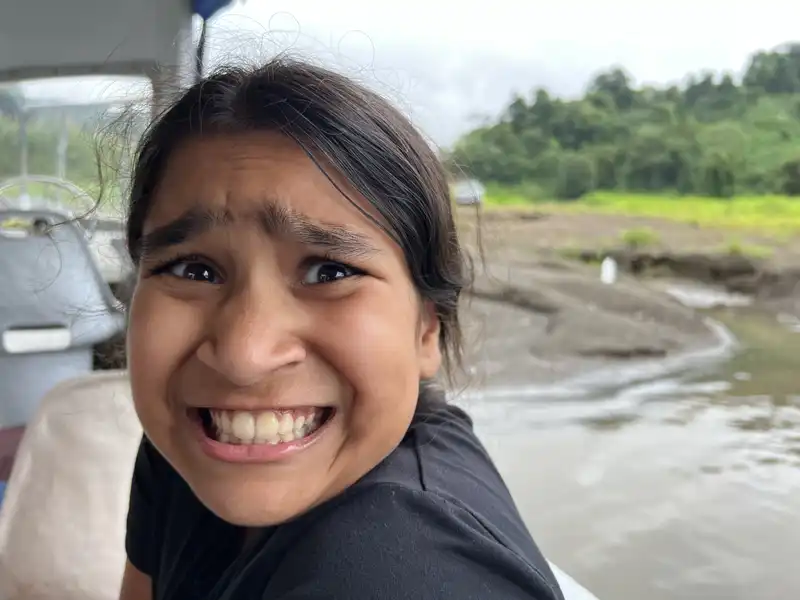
286	425
299	423
265	427
243	426
225	422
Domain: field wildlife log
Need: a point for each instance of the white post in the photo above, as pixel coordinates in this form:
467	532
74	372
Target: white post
608	271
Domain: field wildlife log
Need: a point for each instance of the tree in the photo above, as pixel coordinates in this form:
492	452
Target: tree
616	84
790	177
576	176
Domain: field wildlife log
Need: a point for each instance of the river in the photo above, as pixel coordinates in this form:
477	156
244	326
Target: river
679	485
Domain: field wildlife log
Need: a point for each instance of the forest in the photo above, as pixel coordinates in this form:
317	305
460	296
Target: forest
716	135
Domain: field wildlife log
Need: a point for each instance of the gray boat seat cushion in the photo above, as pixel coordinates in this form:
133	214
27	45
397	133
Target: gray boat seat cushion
54	308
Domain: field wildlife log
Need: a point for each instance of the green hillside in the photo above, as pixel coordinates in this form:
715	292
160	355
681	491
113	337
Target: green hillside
715	135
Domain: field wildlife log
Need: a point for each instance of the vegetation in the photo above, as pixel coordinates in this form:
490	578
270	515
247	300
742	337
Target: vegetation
736	248
776	216
42	143
95	141
714	136
639	238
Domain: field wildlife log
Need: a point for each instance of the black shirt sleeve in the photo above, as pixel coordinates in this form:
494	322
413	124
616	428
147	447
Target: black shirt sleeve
390	542
141	543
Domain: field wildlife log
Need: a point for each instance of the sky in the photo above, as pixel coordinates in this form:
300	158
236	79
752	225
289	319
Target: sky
450	64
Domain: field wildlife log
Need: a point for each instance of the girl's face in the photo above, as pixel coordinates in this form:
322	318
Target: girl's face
276	341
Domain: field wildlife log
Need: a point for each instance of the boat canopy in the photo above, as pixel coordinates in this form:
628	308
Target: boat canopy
53	38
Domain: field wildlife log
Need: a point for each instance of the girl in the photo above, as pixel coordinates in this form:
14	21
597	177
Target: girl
298	282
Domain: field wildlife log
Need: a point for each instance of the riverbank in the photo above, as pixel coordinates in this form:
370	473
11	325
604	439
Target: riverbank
552	322
540	313
762	261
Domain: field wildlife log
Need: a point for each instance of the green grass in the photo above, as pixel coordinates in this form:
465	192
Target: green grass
735	247
639	237
523	195
775	215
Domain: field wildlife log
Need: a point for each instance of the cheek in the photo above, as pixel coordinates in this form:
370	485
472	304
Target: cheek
372	342
161	333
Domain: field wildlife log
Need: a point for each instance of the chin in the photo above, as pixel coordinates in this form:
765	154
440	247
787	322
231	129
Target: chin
254	504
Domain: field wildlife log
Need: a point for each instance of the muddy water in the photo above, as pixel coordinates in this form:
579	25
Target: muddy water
684	485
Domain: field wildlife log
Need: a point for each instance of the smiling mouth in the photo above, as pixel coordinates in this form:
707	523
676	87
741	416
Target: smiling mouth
265	427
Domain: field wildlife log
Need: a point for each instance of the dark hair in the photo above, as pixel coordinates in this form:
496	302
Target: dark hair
340	123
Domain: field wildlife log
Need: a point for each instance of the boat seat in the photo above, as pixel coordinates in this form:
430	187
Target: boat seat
54	308
62	521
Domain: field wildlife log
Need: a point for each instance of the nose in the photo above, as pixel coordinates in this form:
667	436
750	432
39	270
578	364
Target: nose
252	335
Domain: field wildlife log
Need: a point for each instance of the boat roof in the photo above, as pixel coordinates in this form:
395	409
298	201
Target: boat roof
57	38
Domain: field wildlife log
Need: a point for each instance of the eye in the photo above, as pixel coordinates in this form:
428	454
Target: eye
192	270
327	271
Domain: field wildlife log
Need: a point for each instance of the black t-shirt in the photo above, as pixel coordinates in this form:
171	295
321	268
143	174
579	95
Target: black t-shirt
432	521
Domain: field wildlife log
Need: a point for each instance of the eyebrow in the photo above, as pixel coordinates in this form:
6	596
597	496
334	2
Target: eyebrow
273	219
190	224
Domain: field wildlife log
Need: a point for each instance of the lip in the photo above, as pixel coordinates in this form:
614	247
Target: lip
258	408
255	453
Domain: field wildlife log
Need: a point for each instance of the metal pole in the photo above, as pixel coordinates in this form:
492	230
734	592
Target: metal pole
23	144
23	157
61	156
61	148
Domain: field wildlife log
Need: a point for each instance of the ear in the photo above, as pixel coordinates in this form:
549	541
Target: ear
430	354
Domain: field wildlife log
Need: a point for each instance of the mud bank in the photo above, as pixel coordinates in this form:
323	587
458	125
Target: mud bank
737	261
548	322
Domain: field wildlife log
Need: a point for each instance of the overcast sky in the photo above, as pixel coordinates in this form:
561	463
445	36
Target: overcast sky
447	62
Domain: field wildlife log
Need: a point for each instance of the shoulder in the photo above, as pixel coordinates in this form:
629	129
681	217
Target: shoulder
434	520
388	541
442	456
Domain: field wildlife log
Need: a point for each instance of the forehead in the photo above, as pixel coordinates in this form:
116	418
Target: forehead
235	174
